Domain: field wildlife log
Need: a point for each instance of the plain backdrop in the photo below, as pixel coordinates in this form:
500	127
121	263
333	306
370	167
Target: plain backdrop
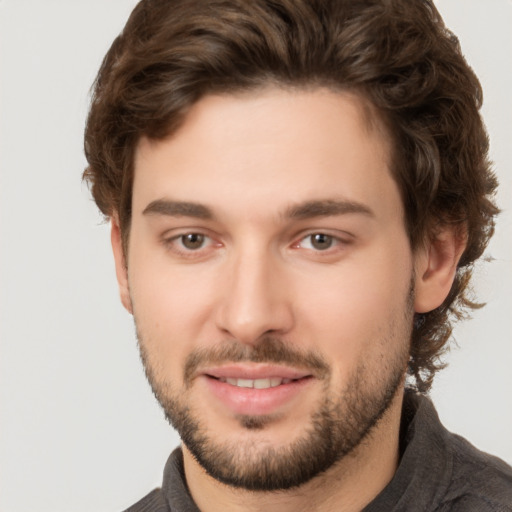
80	430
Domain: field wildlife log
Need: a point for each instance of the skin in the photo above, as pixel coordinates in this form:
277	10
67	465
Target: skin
252	160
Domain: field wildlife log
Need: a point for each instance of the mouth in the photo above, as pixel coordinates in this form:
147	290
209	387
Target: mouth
264	383
256	389
256	376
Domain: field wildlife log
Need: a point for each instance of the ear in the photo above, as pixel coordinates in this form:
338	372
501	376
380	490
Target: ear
435	266
120	263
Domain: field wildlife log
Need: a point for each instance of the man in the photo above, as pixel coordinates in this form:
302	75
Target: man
298	191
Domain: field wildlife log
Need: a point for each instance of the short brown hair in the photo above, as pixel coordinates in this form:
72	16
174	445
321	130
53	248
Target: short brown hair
395	53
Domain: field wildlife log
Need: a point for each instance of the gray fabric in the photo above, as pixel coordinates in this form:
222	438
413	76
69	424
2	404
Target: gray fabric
438	472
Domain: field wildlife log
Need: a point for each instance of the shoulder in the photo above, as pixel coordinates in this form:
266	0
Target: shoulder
153	502
480	482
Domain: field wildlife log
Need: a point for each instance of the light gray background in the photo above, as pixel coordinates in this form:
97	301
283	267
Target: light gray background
80	430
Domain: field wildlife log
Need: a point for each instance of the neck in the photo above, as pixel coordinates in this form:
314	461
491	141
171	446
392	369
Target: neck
348	486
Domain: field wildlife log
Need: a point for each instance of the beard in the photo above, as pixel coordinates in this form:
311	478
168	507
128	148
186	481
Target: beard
341	421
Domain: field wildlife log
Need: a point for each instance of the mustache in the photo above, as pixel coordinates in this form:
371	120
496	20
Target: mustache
267	350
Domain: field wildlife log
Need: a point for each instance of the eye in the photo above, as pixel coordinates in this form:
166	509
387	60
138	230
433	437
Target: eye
192	241
190	245
318	242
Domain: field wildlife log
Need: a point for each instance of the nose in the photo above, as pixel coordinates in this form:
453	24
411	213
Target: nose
255	299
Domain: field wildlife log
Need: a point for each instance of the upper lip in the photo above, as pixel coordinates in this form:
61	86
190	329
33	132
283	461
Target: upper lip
254	371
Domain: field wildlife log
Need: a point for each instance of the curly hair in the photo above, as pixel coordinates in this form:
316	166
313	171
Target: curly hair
397	54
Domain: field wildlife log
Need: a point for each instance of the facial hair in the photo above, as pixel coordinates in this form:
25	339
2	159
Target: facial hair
341	421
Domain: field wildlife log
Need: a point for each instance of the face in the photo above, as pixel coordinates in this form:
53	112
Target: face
270	277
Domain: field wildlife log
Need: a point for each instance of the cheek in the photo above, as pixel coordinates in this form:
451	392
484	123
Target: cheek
360	305
169	306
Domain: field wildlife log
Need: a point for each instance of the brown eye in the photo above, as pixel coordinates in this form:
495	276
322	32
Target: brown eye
320	241
192	241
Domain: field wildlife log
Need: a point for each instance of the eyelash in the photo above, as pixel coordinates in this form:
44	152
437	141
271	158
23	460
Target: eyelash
175	244
333	241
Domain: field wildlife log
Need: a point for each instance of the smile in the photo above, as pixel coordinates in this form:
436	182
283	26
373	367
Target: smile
256	389
255	383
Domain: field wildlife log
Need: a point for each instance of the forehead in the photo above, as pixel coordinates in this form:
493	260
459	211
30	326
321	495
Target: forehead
269	147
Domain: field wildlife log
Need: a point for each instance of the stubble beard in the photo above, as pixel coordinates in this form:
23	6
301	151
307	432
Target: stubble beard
340	423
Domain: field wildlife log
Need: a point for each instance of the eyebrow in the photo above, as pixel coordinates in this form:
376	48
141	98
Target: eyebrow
178	209
306	210
325	208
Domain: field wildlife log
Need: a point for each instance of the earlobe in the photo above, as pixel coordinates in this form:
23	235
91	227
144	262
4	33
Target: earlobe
120	263
435	267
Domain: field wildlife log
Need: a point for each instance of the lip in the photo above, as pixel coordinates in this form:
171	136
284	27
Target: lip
254	371
255	402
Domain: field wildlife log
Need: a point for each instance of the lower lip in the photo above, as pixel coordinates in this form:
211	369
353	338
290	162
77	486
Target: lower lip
250	401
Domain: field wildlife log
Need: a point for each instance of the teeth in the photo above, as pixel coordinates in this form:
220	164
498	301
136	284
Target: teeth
245	383
256	383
